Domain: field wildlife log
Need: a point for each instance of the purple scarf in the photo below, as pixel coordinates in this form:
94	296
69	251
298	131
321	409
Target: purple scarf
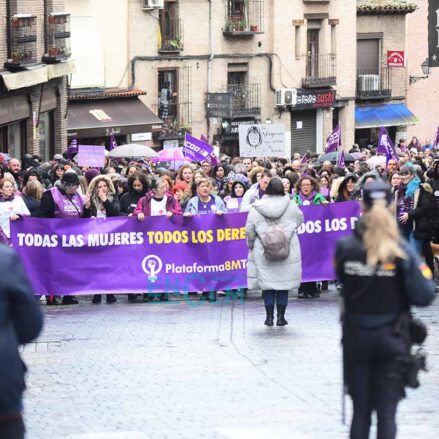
309	198
3	198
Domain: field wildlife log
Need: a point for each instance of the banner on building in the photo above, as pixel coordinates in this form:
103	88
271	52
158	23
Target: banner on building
202	253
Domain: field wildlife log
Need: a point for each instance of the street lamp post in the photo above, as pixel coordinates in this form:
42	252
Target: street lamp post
425	70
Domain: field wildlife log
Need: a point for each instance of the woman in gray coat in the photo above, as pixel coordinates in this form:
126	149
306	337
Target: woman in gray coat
274	277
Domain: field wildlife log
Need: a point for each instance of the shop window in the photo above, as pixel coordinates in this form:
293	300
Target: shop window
13	138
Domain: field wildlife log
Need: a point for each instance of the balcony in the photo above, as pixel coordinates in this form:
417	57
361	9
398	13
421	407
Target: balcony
244	18
374	83
171	36
23	41
245	99
57	38
320	71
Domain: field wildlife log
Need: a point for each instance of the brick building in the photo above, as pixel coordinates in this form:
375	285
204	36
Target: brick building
382	77
34	65
423	95
245	57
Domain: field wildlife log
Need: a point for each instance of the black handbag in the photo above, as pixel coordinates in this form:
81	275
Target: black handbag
417	331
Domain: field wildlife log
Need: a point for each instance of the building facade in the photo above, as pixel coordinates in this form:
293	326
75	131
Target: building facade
210	66
34	66
226	63
382	75
423	94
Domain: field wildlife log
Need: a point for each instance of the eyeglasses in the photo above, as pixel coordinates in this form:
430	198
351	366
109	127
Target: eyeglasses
402	174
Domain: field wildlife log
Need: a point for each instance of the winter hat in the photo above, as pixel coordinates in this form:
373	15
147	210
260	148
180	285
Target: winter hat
90	174
182	185
70	178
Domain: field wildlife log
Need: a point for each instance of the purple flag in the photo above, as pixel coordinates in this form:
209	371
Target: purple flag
340	161
113	143
195	149
334	140
436	139
214	160
72	150
385	145
304	160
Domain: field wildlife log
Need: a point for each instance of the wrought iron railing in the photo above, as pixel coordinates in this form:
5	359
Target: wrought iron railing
23	41
171	36
244	17
57	37
320	70
245	99
374	83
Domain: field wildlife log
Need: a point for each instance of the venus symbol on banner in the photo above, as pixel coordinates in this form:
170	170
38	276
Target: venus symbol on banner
152	265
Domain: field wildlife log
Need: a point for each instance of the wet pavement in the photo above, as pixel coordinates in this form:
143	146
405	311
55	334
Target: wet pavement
191	369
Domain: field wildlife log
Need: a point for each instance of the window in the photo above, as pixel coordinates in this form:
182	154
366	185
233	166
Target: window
244	16
12	139
57	37
297	42
368	55
312	47
171	29
22	41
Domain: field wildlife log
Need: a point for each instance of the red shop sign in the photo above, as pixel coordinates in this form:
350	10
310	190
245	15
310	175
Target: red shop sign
395	58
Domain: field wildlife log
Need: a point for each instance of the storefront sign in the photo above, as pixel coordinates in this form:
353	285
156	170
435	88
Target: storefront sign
140	137
266	140
433	33
219	105
396	58
314	99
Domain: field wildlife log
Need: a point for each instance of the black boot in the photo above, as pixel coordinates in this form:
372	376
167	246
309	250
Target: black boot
96	298
51	300
281	315
212	296
269	321
110	298
132	297
69	300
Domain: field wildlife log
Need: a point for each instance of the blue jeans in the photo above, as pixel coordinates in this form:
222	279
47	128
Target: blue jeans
414	244
272	296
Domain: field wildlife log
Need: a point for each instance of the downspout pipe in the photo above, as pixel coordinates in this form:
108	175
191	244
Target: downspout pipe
209	62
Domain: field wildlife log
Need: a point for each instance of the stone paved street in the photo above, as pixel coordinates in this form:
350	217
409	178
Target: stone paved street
190	369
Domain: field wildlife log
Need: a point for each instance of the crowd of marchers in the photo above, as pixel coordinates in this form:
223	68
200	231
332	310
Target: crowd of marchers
140	188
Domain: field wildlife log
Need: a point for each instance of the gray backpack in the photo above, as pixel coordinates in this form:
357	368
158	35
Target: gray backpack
275	243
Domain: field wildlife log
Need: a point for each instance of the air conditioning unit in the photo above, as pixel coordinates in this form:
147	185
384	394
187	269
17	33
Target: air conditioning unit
286	97
153	4
369	82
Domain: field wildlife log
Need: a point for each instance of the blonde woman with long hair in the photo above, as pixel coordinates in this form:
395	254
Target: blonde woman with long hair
381	277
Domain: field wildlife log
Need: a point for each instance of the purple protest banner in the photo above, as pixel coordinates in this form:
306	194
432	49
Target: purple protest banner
334	140
91	155
341	160
195	149
202	253
214	160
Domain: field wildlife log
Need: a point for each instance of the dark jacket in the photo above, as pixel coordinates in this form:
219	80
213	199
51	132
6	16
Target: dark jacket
129	201
112	208
422	213
21	322
375	296
32	204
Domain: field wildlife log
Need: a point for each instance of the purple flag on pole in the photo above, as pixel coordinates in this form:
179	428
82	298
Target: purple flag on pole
340	161
113	143
385	145
334	140
304	160
436	139
72	149
195	149
214	160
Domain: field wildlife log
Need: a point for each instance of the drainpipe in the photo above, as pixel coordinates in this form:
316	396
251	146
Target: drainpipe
209	62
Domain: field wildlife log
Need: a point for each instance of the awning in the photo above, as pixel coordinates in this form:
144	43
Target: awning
384	115
101	118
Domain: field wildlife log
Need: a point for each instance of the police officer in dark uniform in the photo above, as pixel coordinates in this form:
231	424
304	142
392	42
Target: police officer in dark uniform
382	277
